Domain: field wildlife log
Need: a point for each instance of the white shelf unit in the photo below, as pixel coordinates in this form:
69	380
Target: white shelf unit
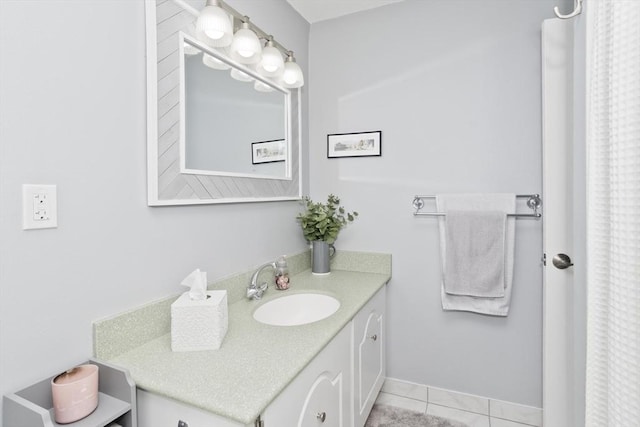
33	406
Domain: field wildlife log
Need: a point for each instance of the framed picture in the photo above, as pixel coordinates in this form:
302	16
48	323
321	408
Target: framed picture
359	144
268	151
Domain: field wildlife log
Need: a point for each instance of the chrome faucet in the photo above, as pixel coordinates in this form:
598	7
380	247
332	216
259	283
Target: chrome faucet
255	291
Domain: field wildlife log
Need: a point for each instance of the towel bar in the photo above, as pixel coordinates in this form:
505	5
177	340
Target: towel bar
533	202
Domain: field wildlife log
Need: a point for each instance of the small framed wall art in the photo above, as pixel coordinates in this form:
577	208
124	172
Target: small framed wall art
268	151
358	144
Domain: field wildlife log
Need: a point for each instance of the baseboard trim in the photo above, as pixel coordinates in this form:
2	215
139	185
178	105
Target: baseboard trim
466	402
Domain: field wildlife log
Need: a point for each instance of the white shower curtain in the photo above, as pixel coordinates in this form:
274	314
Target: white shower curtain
613	237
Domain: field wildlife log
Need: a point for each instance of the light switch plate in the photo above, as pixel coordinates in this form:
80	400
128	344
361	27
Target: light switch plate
39	206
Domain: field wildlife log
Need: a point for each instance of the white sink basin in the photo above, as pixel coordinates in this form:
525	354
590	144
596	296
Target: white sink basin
296	309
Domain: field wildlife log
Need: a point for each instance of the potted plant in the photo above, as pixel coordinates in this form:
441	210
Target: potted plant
321	223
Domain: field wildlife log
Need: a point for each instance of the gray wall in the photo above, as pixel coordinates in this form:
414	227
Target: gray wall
455	88
72	113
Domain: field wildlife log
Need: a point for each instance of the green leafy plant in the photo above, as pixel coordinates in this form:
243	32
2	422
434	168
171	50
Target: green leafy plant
323	221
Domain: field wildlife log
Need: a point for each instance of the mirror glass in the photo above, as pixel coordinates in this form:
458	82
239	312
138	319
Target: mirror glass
233	126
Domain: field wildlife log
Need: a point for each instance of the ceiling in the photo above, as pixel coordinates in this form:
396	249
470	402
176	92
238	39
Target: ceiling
320	10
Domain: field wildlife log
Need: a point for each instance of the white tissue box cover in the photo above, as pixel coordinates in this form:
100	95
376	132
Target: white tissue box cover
199	324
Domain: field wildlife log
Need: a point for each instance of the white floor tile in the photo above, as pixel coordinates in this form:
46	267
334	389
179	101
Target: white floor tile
401	402
498	422
406	389
473	420
462	401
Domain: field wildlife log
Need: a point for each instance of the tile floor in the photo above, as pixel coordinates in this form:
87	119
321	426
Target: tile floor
471	418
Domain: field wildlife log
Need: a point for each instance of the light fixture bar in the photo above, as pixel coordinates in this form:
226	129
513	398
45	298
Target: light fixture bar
241	17
263	35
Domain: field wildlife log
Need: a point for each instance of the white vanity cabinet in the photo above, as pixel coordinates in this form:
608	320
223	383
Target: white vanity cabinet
336	389
369	367
341	384
319	396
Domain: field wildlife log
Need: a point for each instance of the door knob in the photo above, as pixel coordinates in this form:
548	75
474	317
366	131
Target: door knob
321	416
562	261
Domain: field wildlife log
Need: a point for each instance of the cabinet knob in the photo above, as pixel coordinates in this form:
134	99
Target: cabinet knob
321	416
374	337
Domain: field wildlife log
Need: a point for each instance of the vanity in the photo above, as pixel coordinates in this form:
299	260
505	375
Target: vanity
327	373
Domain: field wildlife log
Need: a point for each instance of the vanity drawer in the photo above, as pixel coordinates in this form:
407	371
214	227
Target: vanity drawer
159	411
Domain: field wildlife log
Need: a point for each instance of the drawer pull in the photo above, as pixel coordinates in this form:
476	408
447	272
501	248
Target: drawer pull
321	416
374	337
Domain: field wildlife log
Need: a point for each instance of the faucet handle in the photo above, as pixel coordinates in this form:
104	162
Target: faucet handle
256	292
261	290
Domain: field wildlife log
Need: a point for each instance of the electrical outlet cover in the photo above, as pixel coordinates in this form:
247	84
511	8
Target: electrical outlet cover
39	206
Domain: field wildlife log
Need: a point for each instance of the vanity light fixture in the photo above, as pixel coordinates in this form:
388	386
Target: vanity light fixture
245	47
272	64
292	77
214	25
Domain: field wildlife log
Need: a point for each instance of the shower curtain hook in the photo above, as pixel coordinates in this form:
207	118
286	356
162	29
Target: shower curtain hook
577	10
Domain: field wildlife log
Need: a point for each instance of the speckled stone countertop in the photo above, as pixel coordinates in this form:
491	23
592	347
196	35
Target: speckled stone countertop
256	361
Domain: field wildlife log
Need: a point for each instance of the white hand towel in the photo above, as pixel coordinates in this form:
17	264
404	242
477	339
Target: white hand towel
475	253
498	306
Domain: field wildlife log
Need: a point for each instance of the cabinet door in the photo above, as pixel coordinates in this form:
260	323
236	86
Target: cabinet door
323	387
369	367
323	404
